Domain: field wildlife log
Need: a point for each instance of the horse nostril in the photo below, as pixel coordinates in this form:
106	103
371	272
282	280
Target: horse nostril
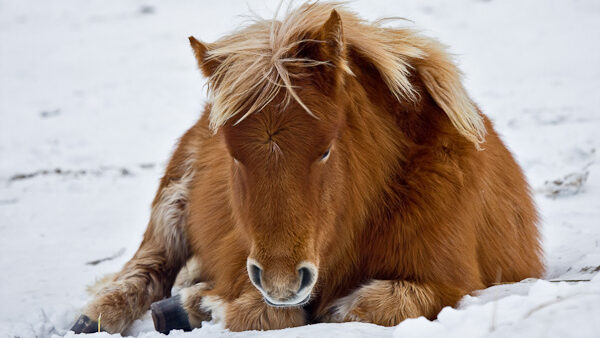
255	273
306	278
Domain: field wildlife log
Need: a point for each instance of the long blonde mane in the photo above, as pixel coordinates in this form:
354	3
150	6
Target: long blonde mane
252	65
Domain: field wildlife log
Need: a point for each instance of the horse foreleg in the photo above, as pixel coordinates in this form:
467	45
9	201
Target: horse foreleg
200	302
388	302
150	274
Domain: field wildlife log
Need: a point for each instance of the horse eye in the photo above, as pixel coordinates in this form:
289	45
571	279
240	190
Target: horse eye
325	155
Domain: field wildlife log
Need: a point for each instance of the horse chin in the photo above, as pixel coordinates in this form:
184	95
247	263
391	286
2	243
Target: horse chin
282	305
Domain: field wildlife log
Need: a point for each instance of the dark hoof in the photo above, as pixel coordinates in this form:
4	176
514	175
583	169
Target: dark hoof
85	325
168	314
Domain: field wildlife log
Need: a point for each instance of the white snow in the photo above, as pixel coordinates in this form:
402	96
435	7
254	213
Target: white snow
101	90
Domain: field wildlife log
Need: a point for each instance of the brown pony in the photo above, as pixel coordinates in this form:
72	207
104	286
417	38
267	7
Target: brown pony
339	173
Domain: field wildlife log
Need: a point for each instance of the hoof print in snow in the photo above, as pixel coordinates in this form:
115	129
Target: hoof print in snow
147	9
49	113
570	184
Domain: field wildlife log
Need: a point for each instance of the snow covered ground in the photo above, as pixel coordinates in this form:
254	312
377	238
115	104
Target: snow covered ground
93	95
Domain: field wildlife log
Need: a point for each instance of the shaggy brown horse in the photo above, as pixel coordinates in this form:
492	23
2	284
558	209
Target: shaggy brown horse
339	173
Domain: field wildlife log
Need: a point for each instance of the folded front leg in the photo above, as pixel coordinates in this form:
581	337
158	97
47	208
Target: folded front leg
246	312
388	302
150	274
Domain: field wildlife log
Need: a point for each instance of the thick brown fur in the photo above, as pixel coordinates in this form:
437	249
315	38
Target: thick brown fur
383	190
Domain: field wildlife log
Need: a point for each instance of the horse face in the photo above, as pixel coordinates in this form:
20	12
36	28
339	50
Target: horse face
285	181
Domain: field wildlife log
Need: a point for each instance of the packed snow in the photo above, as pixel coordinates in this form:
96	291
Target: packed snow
94	94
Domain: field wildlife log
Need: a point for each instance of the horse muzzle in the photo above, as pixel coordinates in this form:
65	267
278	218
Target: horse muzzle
288	290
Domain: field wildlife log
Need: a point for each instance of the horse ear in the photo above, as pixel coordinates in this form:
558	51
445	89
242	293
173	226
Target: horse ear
331	49
208	66
332	35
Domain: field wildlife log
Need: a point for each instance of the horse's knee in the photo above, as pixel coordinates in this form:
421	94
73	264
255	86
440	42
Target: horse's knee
143	280
116	305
